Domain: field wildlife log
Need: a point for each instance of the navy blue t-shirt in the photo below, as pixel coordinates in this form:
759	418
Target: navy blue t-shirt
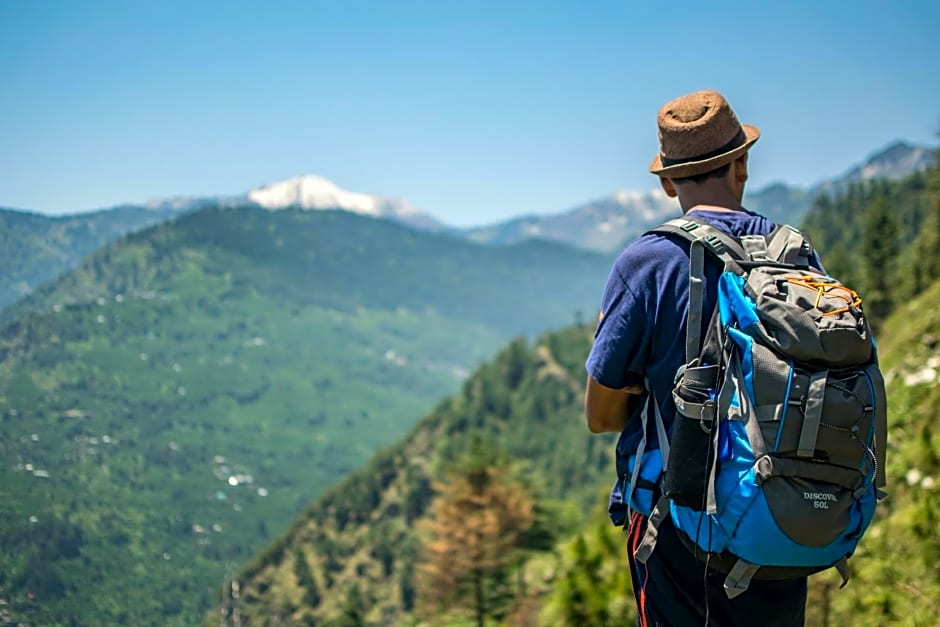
641	333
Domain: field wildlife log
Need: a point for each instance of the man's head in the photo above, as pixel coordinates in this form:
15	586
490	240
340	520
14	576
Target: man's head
702	146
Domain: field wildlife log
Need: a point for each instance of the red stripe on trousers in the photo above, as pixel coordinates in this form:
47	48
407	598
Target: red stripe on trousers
633	544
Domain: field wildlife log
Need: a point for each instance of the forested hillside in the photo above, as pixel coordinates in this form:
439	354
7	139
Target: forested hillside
35	249
367	553
174	403
355	556
882	237
355	551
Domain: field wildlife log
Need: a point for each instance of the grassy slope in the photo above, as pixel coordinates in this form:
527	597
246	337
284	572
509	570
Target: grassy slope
129	426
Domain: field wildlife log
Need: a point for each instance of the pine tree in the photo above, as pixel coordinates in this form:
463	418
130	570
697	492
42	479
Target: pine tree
925	266
880	243
305	579
925	256
353	612
476	521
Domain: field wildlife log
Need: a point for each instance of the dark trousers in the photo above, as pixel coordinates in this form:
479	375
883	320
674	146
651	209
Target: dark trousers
673	589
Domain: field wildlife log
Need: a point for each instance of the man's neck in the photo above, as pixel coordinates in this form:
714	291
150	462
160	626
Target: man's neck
710	200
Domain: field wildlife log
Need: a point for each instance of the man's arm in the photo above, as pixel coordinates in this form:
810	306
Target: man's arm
618	356
607	409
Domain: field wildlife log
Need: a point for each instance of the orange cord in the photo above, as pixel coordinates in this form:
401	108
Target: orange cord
823	288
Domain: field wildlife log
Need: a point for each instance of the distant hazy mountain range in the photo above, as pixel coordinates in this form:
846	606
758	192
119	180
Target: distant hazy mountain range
603	224
35	248
606	223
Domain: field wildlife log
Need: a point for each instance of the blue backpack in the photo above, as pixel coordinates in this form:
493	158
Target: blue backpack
775	460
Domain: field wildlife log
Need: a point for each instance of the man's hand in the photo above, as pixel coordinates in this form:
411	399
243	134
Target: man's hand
607	409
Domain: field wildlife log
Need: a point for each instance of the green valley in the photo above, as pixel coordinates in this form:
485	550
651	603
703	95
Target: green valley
171	405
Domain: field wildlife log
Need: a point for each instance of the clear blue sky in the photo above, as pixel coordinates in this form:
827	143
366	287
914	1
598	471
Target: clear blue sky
474	111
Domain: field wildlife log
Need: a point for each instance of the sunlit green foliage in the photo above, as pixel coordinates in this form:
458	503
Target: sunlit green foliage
190	389
528	401
880	238
591	586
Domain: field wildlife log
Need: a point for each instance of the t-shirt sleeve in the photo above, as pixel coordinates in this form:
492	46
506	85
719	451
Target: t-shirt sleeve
618	357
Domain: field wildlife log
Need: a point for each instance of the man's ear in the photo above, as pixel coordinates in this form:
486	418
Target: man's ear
740	169
668	187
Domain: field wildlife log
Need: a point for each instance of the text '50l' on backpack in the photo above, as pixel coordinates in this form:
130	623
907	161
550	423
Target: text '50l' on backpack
777	452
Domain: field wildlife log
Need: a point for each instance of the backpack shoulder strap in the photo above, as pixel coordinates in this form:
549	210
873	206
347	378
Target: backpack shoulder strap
724	246
701	237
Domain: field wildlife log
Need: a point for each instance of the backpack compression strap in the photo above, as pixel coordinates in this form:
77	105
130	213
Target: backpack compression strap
661	437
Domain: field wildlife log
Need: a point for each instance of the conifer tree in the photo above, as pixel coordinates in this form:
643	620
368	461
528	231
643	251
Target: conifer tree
476	521
880	246
925	266
305	579
353	612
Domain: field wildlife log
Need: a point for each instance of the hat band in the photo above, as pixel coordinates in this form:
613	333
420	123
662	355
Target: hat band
736	141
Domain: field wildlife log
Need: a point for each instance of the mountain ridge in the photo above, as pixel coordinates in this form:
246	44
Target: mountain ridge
606	223
602	224
313	191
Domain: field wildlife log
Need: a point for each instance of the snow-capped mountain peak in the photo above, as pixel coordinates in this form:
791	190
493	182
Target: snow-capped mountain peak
309	192
317	192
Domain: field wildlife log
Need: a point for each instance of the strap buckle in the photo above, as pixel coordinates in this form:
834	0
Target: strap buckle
715	244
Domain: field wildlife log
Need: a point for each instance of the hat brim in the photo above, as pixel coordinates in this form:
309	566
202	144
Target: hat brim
694	168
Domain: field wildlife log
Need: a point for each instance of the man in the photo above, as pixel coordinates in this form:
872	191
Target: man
640	342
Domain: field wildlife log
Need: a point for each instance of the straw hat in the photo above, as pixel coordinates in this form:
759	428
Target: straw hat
699	133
